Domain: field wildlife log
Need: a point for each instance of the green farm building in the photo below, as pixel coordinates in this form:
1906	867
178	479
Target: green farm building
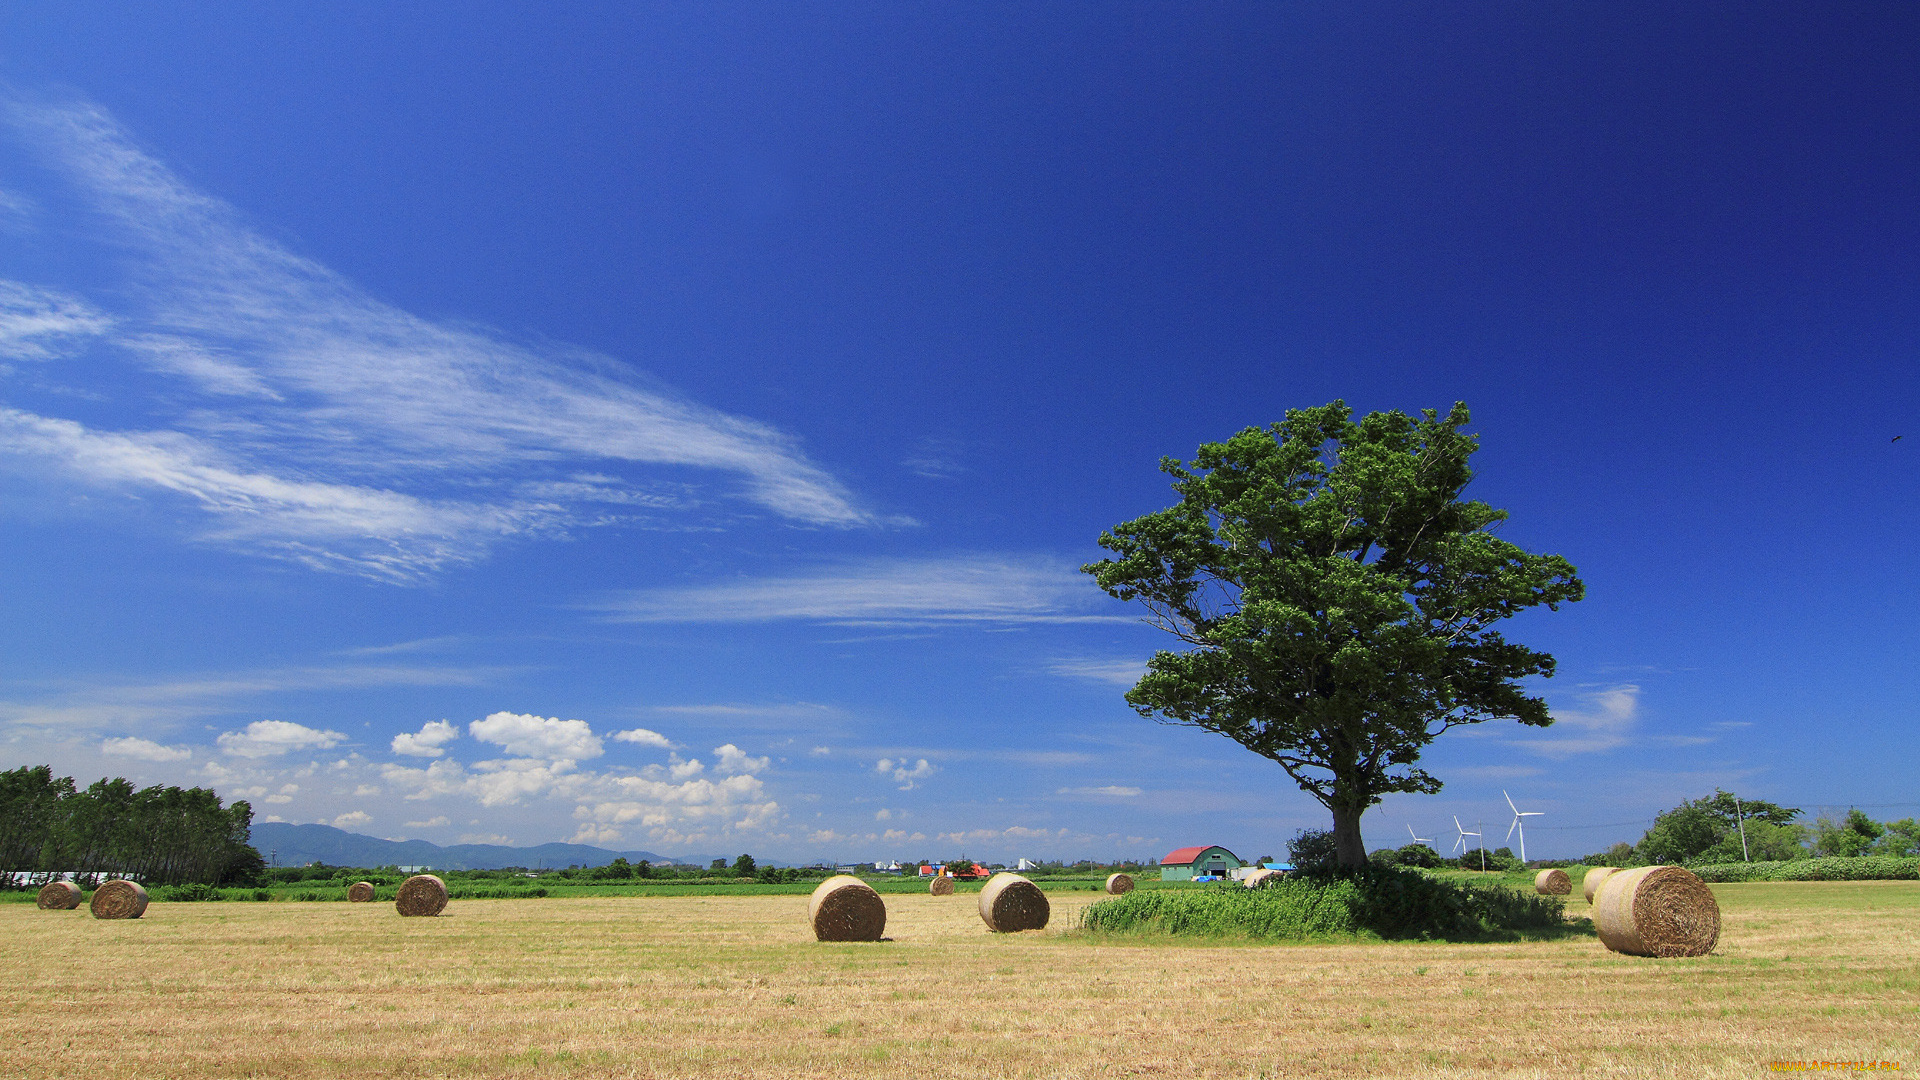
1191	862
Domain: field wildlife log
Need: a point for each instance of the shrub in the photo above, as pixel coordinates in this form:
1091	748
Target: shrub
1312	851
1387	901
194	891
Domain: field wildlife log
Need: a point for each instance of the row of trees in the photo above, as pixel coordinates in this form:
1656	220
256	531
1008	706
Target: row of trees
1710	830
1719	828
157	835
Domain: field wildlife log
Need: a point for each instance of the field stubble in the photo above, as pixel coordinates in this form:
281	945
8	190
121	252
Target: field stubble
736	987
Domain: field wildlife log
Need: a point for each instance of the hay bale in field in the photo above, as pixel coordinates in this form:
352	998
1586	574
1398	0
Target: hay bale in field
1259	877
58	896
1010	903
1119	884
844	908
941	885
1656	911
421	894
360	892
1554	882
119	900
1591	883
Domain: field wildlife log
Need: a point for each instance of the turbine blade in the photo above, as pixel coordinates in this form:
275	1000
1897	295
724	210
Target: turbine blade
1510	828
1509	799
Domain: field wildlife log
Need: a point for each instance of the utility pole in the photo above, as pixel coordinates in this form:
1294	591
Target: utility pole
1482	826
1740	823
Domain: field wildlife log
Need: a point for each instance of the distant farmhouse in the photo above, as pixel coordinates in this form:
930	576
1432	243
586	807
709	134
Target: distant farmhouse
1198	863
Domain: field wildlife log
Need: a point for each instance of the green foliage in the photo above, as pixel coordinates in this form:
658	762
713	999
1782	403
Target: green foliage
156	835
1291	909
1491	859
1902	839
617	870
1866	868
1846	839
1312	851
1694	828
744	866
1339	598
1766	842
1415	855
1388	902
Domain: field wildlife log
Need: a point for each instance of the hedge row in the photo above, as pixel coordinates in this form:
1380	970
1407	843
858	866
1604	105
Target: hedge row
1863	868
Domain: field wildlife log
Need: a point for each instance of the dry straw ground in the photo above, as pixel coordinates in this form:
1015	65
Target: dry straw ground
737	987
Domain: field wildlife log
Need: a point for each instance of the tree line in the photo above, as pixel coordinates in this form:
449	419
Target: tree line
156	835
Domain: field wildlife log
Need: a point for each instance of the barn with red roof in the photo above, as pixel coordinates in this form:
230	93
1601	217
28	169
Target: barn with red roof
1187	863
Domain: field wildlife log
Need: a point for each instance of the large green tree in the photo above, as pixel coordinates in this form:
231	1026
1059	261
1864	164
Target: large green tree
1338	596
1709	830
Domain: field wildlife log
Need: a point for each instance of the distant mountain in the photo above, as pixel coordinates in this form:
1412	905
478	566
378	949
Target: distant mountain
296	845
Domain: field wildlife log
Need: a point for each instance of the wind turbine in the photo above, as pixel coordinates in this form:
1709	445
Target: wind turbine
1419	839
1460	845
1518	824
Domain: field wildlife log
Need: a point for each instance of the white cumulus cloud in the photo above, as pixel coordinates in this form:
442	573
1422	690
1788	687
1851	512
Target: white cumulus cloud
903	773
352	818
526	735
271	738
144	750
642	737
426	742
735	760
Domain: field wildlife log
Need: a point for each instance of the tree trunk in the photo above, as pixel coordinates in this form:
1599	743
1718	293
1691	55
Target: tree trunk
1347	844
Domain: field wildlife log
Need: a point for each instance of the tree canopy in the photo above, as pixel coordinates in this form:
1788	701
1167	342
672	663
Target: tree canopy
1339	597
157	835
1707	830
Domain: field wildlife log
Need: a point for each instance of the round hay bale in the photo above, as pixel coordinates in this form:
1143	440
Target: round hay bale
1554	882
58	896
1119	884
1010	903
421	894
1656	911
1591	883
941	885
1260	877
844	908
360	892
119	900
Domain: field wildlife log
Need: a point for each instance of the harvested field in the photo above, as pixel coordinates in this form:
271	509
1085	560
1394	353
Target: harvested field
736	987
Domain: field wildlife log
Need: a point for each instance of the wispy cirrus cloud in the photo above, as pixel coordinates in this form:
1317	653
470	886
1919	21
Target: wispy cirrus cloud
93	706
40	324
956	589
1114	672
1605	720
334	429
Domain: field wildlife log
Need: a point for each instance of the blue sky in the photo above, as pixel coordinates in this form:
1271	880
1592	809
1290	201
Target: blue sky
676	427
